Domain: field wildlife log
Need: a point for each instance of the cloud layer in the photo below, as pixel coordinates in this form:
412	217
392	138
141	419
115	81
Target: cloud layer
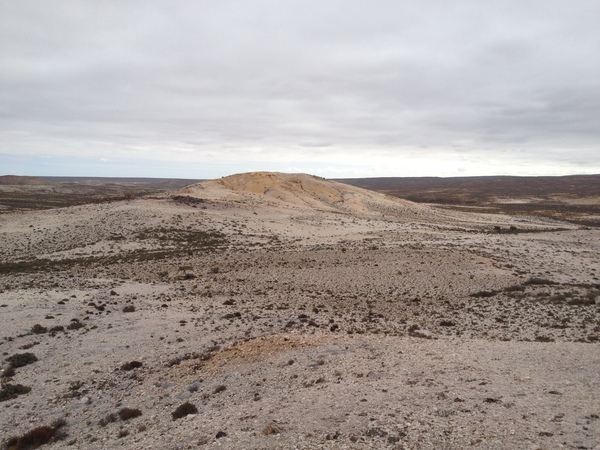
340	88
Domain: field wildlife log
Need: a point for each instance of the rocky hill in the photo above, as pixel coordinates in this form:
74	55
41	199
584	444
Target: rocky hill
296	190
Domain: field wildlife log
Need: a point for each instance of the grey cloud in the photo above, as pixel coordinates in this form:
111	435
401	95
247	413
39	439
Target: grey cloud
315	75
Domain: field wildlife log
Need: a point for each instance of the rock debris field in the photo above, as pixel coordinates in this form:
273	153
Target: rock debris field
272	311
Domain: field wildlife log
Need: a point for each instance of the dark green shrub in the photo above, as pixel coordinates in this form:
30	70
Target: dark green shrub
128	308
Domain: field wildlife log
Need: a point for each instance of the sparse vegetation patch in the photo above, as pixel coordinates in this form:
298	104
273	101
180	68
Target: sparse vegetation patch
21	359
11	391
131	365
129	413
183	410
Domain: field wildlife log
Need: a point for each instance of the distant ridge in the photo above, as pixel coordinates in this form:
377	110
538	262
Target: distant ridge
171	183
458	189
17	180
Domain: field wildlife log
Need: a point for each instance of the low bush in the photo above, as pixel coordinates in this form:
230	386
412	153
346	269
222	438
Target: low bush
32	439
272	428
514	288
11	391
581	301
39	329
129	413
184	410
131	365
535	281
9	372
21	359
109	418
75	325
483	294
220	388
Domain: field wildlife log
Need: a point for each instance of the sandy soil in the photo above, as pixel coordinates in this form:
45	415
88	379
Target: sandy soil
298	313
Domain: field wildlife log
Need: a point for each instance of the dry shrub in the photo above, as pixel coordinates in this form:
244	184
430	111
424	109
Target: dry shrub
220	388
109	418
131	365
184	410
9	372
75	325
129	413
10	391
58	423
515	288
484	294
272	428
536	281
36	437
39	329
21	359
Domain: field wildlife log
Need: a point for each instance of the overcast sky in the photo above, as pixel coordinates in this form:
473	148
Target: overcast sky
202	89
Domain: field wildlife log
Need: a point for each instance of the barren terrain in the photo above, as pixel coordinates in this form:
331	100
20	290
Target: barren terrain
287	311
30	193
574	198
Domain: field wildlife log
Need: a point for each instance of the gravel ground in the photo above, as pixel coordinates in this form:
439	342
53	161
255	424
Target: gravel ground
290	326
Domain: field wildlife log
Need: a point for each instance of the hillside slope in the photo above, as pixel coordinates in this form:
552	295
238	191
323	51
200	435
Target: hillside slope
297	190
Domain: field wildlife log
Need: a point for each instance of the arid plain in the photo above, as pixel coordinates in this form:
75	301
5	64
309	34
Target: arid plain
269	310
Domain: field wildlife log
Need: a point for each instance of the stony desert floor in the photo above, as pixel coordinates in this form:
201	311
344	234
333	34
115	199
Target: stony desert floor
263	312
